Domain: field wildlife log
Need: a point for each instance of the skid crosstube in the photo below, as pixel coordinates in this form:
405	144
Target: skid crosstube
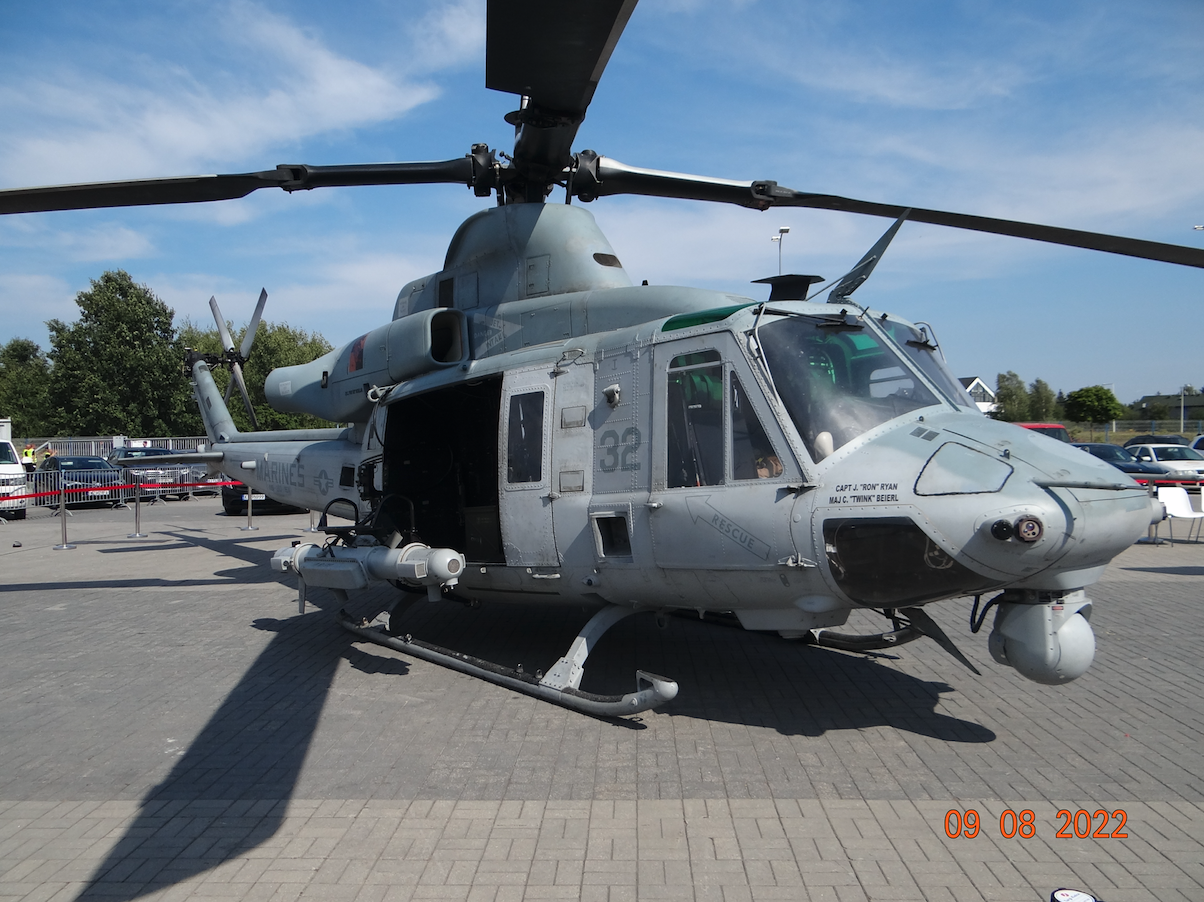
651	690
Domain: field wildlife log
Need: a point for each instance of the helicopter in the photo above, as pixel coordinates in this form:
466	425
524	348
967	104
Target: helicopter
532	424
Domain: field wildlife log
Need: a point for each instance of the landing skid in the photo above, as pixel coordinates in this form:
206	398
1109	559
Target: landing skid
559	686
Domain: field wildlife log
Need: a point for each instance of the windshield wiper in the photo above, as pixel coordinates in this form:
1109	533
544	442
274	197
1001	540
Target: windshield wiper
842	320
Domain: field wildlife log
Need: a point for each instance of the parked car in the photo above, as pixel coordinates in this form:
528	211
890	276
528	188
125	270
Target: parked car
162	479
88	480
1053	430
1198	442
1156	440
12	480
1123	460
234	501
1182	462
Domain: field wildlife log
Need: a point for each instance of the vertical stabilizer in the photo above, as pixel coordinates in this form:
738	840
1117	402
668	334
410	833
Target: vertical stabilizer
219	425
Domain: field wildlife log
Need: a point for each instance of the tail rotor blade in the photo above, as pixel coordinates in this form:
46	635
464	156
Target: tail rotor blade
227	341
253	327
236	373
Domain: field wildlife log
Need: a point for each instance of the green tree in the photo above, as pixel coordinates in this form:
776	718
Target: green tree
1011	398
1042	403
118	369
1095	405
25	388
275	345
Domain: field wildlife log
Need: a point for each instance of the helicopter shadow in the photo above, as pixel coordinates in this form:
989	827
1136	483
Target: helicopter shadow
228	792
726	674
1169	571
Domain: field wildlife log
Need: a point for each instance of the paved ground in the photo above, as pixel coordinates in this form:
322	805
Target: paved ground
172	729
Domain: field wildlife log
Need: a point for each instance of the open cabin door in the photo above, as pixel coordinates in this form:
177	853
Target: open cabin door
440	468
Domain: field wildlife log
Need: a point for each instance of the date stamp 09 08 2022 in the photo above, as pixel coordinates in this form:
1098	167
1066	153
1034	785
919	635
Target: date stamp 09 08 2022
1080	824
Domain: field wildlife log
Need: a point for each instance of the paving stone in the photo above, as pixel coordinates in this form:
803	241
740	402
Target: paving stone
173	730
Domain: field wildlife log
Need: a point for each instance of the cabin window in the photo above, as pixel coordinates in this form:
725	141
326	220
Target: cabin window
524	440
356	359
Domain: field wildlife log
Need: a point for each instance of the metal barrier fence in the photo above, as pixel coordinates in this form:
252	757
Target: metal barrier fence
100	446
96	486
49	488
116	487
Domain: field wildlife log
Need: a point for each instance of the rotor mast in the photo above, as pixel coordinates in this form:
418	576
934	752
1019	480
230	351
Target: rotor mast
552	54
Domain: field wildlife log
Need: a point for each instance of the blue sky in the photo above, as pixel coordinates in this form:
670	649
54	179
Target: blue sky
1081	114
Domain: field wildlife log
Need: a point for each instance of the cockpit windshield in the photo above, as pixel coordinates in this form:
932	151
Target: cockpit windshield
923	353
838	378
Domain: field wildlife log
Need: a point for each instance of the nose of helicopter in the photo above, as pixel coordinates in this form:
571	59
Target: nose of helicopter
1036	511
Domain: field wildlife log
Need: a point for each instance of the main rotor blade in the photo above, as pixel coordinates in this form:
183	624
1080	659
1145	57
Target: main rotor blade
551	51
245	349
201	188
1096	241
598	176
136	192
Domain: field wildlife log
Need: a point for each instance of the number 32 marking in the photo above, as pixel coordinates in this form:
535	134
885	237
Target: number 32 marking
619	452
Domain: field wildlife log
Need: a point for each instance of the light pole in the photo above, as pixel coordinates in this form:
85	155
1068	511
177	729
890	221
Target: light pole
1111	386
782	231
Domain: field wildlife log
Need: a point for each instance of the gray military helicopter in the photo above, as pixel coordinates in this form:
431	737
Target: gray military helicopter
531	424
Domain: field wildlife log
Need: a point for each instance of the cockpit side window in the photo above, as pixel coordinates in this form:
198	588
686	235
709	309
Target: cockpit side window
695	422
713	432
753	456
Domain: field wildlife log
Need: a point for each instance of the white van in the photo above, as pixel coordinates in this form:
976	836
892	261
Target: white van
12	474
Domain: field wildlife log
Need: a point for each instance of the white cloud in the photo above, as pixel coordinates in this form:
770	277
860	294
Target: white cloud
107	241
449	35
343	296
28	301
69	123
1093	178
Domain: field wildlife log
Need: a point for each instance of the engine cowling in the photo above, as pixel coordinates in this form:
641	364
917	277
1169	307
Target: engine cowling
337	386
